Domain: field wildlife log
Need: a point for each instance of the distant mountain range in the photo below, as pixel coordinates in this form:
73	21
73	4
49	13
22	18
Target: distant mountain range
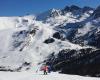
66	39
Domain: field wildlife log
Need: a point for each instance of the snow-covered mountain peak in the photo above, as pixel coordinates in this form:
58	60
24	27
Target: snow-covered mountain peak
86	8
50	13
70	14
74	8
71	8
55	12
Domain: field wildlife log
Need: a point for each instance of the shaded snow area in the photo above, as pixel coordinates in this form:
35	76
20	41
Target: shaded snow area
84	30
40	76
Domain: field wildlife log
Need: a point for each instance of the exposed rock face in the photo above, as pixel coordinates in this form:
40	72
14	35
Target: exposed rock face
96	13
86	8
55	13
81	62
71	8
50	40
57	35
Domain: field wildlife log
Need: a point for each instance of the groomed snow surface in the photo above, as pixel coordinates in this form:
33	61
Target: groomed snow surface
39	76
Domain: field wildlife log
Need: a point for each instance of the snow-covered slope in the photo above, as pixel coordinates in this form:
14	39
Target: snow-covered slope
13	22
12	59
70	14
24	42
28	40
40	76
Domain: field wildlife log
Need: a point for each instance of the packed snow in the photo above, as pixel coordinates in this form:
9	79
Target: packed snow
40	76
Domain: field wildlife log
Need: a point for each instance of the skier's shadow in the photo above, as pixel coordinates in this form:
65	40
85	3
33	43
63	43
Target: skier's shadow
41	74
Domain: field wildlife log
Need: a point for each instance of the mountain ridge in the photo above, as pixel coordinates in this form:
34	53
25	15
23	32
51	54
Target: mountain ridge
33	39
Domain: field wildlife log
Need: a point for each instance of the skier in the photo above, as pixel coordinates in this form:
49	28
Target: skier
49	68
45	69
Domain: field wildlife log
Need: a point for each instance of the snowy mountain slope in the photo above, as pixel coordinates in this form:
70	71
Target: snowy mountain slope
24	40
80	26
76	24
48	14
30	40
9	59
39	76
70	14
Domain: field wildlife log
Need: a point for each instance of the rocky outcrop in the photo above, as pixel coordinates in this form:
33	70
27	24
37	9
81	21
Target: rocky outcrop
81	62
